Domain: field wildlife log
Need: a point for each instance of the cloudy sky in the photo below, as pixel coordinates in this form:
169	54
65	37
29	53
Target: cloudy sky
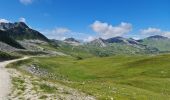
89	19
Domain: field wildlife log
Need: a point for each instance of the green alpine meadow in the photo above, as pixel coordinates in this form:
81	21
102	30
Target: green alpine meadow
117	77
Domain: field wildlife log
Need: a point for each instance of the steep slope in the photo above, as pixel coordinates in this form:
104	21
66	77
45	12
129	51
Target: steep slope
160	42
15	37
20	31
5	38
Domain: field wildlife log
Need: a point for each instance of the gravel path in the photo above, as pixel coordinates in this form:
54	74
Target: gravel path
31	90
5	82
28	87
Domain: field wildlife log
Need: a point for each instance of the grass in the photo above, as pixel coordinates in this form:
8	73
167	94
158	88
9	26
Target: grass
18	84
161	44
116	77
47	88
32	53
43	97
7	56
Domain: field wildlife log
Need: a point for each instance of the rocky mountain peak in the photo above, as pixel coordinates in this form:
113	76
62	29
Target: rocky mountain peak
7	26
116	40
71	40
100	42
21	25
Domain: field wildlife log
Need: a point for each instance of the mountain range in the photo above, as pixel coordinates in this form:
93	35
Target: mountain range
21	37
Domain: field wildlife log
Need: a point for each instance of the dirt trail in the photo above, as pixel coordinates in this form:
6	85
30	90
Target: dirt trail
5	82
29	88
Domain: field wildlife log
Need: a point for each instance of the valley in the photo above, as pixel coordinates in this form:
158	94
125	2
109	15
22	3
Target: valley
117	68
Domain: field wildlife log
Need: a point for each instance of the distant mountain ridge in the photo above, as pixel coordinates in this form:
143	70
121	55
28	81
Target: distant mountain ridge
72	41
160	42
119	45
14	34
98	42
103	42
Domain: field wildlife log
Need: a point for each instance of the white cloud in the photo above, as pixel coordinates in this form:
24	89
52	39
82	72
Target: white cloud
26	2
167	34
22	19
57	33
154	31
106	30
4	21
61	30
151	31
88	39
63	33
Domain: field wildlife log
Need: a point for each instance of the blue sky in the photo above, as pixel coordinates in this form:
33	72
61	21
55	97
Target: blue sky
89	19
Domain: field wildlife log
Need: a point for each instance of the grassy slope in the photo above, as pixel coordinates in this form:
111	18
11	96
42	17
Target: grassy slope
162	45
6	56
116	49
118	77
87	51
76	51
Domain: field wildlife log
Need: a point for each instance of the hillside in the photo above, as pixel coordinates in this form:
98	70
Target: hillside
118	46
70	49
6	56
160	42
18	38
5	38
20	31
